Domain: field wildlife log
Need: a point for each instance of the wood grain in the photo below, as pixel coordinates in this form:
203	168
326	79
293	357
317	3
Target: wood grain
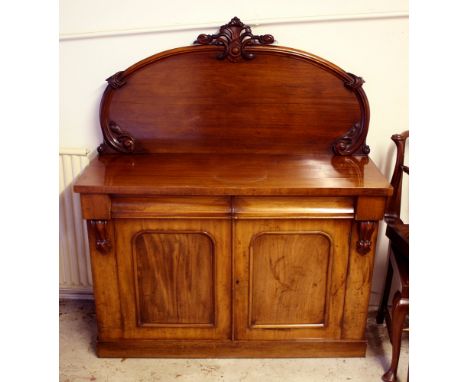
289	279
174	276
172	207
292	208
95	206
105	287
232	174
289	251
158	109
231	349
358	287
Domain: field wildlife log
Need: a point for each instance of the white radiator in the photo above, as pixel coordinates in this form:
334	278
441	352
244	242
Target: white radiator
75	269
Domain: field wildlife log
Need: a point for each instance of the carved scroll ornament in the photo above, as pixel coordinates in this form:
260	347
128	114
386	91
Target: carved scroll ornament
235	37
348	143
116	81
355	82
354	140
365	231
103	243
117	139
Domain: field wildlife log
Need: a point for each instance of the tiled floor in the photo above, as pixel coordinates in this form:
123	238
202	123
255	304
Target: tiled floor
78	361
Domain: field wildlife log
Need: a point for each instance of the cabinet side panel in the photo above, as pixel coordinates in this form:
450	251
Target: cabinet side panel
289	279
358	287
105	286
174	278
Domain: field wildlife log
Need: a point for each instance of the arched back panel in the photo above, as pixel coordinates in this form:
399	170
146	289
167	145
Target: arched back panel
234	93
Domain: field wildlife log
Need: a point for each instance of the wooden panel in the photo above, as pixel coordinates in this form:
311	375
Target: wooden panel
304	264
159	105
358	287
292	208
174	278
171	207
105	286
289	279
370	208
231	349
218	174
95	206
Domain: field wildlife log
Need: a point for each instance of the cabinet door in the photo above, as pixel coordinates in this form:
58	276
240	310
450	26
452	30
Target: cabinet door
174	278
290	278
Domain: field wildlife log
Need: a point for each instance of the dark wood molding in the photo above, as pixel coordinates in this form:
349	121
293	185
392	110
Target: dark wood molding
354	141
351	142
117	139
235	36
365	230
354	82
117	80
394	202
103	243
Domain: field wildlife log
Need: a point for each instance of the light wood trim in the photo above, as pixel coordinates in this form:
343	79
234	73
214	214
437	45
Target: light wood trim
292	208
95	206
105	287
370	207
358	287
230	349
171	207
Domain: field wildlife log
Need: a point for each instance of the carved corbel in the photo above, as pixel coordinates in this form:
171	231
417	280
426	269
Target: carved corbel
101	233
365	231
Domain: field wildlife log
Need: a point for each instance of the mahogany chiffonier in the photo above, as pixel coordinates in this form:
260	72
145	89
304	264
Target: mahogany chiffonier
232	210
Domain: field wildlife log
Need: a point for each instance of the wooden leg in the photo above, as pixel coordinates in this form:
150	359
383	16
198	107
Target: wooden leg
383	303
400	309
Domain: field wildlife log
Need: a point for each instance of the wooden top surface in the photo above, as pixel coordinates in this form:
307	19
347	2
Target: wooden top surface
233	174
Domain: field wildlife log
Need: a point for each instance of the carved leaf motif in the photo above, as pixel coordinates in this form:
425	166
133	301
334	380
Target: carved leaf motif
116	81
355	82
235	37
119	139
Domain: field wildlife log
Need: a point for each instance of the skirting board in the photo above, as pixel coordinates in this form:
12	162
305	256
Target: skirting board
76	294
230	349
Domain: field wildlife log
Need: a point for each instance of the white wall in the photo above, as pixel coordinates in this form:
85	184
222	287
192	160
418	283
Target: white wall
366	37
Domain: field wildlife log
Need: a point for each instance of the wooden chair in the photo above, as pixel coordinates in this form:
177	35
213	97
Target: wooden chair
398	235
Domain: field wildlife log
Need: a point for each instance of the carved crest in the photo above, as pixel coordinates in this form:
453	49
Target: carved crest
235	37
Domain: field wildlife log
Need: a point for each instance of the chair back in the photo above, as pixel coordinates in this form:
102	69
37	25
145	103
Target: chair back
394	202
